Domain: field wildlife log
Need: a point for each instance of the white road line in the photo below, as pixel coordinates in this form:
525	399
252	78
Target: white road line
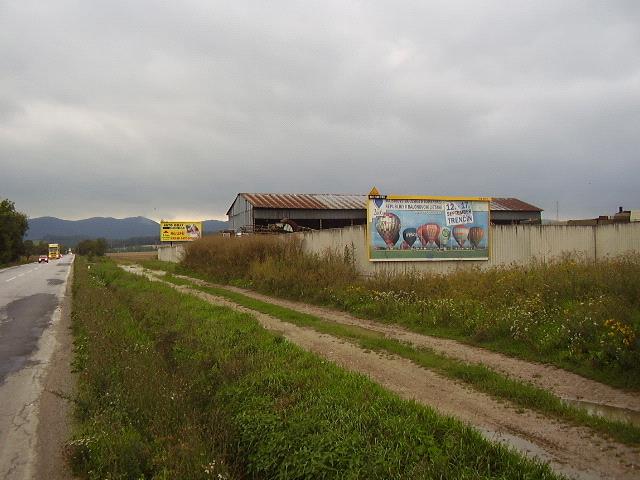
12	278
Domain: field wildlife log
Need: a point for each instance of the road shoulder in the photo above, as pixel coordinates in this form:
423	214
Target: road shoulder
56	406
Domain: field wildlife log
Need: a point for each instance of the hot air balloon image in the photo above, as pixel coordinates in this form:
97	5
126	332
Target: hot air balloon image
405	246
428	233
388	226
410	236
461	234
475	236
444	237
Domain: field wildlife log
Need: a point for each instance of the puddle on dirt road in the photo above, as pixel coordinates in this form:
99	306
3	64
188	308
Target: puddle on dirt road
606	411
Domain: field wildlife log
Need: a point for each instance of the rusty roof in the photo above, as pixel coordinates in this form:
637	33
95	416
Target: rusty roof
333	201
306	201
512	205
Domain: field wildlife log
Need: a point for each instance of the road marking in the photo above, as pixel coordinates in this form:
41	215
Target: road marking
12	278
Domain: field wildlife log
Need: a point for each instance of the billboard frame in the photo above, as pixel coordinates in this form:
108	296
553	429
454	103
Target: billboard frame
184	238
374	194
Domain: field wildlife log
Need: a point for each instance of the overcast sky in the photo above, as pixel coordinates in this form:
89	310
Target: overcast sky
168	109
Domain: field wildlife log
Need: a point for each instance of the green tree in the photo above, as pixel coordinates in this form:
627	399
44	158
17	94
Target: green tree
13	226
92	247
29	249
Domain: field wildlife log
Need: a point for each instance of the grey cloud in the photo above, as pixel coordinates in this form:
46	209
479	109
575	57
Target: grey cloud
160	108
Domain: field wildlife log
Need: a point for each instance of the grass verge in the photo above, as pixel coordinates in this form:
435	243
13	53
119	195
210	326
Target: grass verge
521	394
173	387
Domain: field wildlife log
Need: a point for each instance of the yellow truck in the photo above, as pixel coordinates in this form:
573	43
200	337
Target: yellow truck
54	251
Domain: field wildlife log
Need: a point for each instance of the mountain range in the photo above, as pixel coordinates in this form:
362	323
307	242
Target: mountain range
55	229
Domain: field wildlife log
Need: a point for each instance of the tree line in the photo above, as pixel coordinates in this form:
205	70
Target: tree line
13	226
92	247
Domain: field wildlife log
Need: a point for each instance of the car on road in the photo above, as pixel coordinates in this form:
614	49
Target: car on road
43	258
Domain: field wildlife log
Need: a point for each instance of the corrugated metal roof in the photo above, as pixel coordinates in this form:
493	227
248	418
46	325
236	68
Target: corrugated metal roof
310	201
512	205
332	201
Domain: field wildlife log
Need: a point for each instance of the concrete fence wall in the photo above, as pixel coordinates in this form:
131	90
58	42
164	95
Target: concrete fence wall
171	253
510	244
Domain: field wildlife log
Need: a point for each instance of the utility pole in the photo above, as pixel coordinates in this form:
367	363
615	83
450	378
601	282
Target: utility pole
557	211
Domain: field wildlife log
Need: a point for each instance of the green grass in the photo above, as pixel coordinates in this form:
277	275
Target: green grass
173	387
521	394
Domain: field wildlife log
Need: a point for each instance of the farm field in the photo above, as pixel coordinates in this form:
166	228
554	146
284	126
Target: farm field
573	452
133	256
173	386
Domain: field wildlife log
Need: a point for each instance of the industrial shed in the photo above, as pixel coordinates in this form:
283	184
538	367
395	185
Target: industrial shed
252	211
509	211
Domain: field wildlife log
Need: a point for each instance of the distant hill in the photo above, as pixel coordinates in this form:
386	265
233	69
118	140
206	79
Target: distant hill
211	226
71	231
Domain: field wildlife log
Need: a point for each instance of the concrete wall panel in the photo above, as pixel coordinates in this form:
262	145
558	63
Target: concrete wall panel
510	244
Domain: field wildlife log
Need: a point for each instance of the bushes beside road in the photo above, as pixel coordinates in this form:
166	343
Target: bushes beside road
172	387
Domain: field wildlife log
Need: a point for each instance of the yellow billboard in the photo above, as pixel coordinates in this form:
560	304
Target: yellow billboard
180	231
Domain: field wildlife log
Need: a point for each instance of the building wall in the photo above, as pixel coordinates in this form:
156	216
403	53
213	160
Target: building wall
509	217
241	214
310	214
510	244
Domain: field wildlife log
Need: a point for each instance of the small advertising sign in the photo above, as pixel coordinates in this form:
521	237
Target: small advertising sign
180	231
409	228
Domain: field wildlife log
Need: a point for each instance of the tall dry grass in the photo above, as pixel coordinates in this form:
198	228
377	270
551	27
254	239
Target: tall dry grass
276	264
227	258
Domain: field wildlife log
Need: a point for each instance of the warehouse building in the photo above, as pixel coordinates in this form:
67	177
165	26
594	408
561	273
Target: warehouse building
253	211
257	211
512	211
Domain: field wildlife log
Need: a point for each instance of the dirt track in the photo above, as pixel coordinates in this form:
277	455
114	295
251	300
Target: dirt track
573	451
562	383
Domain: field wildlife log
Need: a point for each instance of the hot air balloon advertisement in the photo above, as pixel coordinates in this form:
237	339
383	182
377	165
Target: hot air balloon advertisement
475	236
444	237
388	227
428	233
413	228
461	234
410	236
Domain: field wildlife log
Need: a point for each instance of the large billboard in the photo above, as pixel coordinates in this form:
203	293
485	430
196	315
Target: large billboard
180	231
421	228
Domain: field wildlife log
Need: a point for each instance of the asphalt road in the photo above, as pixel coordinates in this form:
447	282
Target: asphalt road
31	300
